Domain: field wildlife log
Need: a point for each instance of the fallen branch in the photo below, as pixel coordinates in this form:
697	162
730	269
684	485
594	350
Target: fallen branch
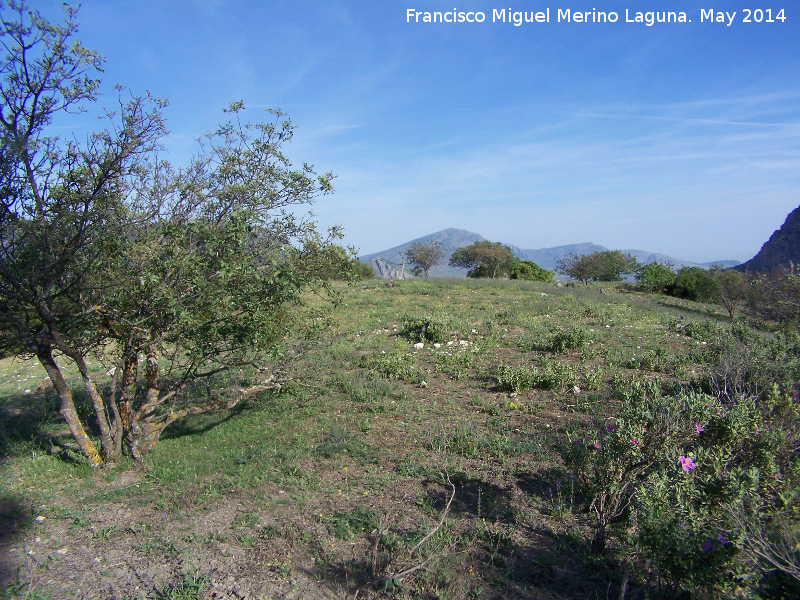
399	575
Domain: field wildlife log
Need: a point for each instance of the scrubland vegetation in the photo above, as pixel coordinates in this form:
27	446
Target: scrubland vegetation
444	439
192	407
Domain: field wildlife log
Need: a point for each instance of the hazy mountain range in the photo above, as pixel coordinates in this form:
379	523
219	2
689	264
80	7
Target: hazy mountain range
388	263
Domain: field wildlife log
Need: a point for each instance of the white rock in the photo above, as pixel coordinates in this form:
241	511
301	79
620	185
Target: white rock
419	345
437	346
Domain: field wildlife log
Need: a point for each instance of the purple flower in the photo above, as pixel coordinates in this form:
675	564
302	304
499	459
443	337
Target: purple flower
597	446
687	463
699	428
707	545
611	428
634	442
722	540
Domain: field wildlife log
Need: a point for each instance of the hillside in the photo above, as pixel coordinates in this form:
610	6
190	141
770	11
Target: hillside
547	258
782	248
451	240
449	423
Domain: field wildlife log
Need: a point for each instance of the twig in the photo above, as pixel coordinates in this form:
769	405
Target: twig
419	566
444	516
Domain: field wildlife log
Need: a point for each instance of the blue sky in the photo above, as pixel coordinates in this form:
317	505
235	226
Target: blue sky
681	138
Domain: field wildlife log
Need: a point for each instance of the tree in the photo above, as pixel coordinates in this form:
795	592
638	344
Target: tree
483	259
694	283
730	289
774	299
656	277
178	278
529	271
363	270
424	256
607	265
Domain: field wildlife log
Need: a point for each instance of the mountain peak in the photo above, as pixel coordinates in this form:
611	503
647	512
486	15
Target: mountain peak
547	258
782	248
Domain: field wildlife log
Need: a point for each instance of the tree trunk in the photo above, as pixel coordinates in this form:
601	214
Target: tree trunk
44	353
109	450
125	404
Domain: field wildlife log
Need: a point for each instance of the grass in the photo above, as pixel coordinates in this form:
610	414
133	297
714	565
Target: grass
325	486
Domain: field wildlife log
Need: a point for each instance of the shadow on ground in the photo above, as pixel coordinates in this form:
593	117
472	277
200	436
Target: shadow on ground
15	520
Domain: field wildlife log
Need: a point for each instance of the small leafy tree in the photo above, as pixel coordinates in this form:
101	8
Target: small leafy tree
424	256
730	289
607	265
483	259
363	270
774	299
529	271
656	277
694	283
179	278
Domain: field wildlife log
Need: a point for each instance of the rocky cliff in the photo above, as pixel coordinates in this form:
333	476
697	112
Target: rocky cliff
387	270
782	248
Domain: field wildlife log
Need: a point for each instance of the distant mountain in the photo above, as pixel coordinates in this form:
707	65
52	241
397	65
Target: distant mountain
782	248
451	239
725	264
547	258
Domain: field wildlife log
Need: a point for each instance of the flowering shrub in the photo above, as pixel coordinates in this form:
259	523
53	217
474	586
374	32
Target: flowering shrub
700	482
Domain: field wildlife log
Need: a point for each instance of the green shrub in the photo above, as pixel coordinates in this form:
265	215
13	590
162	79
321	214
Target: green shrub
656	277
700	478
529	271
565	340
395	365
694	283
556	375
702	331
436	329
517	379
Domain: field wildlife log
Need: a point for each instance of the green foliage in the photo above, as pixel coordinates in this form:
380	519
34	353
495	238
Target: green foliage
607	265
108	250
346	525
694	283
434	328
689	469
743	462
340	441
774	300
528	271
456	363
730	289
189	588
742	362
517	379
363	270
656	277
424	256
483	259
566	340
395	365
552	375
336	262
